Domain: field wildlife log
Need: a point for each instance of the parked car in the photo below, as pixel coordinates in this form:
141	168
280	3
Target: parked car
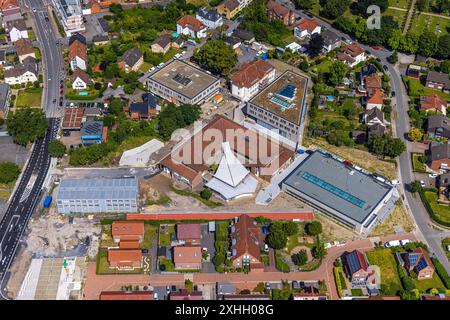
392	243
155	296
266	248
167	289
385	67
433	175
403	242
395	182
422	183
393	93
267	285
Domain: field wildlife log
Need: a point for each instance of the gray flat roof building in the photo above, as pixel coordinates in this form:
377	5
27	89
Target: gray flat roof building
349	194
181	82
97	195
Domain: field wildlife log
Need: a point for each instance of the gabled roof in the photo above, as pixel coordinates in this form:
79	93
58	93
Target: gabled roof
183	294
277	8
23	47
126	295
188	231
243	34
131	56
187	254
77	37
307	24
376	98
132	228
432	102
417	259
230	170
438	121
191	22
8	4
354	50
162	41
124	255
77	49
329	37
372	81
251	73
209	14
28	66
354	261
231	5
440	151
374	113
78	73
245	237
344	57
438	77
19	24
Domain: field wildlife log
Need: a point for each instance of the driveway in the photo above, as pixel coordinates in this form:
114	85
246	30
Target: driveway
208	242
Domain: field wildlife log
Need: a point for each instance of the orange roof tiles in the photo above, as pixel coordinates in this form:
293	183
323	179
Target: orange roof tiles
77	49
126	295
124	256
246	235
129	244
376	98
432	102
307	24
131	228
250	73
191	23
187	255
373	82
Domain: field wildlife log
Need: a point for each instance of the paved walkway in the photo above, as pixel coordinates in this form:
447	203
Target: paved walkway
409	17
97	283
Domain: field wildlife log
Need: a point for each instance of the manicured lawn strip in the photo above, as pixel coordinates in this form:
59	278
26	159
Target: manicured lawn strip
149	235
439	213
426	284
164	238
168	264
416	89
445	245
30	97
417	165
340	282
103	265
384	259
280	264
221	231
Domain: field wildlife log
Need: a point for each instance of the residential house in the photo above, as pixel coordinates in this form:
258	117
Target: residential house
5	100
438	126
161	45
376	129
24	73
131	60
190	233
246	297
233	42
16	29
126	295
24	48
331	40
184	294
78	55
308	293
9	7
417	261
250	78
225	288
123	231
77	37
177	43
192	27
373	116
125	258
229	8
70	15
433	103
439	156
438	81
209	17
80	79
246	36
246	242
187	258
147	109
276	11
372	83
356	268
352	54
375	100
100	40
306	28
413	71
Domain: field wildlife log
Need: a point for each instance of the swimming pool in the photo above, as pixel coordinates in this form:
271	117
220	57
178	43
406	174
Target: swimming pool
83	93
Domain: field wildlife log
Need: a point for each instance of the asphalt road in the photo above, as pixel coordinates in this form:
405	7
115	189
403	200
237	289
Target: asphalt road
29	188
414	205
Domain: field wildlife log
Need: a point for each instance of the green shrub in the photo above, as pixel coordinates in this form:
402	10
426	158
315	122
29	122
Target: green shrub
442	273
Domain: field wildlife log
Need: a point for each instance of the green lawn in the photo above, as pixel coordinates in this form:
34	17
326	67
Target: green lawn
209	203
398	15
145	67
322	67
441	211
149	235
168	264
422	22
445	245
164	238
222	230
417	165
30	97
384	259
416	89
103	265
399	3
425	285
162	200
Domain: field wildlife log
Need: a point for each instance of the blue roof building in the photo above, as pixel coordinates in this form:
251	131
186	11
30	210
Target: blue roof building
91	132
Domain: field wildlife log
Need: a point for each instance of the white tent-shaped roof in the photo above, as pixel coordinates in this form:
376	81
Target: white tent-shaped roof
232	180
230	170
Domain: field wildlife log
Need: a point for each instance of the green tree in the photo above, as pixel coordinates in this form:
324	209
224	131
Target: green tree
337	72
116	107
206	193
410	42
385	145
315	44
26	125
290	228
304	4
359	7
443	50
219	259
9	172
319	251
428	43
415	186
415	134
313	228
445	66
216	56
331	9
395	39
300	258
56	149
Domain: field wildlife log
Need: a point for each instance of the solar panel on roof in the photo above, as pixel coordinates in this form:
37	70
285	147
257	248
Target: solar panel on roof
422	264
181	79
334	190
282	103
413	258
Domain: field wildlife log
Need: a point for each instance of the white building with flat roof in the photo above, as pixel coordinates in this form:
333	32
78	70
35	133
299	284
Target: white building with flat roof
70	15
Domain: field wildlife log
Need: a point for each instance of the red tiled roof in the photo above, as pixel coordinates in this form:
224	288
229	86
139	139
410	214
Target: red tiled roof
353	50
187	255
131	228
344	57
77	49
307	24
8	4
23	47
246	235
188	231
191	22
126	295
128	244
373	81
376	98
432	102
123	255
279	9
250	73
183	294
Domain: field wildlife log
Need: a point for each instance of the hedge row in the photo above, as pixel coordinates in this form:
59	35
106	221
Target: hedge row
442	273
429	209
337	278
